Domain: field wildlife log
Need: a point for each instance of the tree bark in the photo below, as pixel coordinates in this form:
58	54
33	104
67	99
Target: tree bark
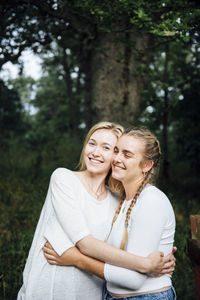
73	120
165	116
89	113
116	78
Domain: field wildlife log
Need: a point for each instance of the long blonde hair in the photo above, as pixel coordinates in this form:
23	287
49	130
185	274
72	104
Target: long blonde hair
151	152
117	129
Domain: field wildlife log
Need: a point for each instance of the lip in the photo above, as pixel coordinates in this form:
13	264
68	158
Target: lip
95	161
117	167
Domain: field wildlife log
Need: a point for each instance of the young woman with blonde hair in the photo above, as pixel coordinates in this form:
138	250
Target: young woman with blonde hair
78	211
144	221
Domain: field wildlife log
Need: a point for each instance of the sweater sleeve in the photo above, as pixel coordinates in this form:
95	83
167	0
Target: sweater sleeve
67	206
145	231
123	277
56	236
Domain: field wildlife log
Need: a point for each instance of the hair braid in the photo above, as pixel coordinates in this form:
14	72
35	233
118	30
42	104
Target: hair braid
116	215
128	214
117	211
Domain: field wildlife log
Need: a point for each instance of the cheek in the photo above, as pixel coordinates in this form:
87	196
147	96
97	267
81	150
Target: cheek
87	150
112	160
113	156
108	158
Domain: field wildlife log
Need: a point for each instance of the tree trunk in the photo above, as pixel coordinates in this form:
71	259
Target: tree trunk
73	120
89	113
165	117
117	80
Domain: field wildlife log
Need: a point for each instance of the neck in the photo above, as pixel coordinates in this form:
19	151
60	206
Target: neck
131	188
95	182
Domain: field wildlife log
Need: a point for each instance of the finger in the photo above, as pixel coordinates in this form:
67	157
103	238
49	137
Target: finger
161	254
52	262
48	245
50	257
50	251
169	265
173	259
168	258
46	250
174	250
169	269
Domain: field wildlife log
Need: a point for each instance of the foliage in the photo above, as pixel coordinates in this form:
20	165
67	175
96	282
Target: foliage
11	111
80	26
184	273
188	124
19	212
16	16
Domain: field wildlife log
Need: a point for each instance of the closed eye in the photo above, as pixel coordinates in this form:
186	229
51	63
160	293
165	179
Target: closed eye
127	155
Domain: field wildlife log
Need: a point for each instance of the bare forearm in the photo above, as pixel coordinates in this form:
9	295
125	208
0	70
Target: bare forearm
73	257
102	251
91	265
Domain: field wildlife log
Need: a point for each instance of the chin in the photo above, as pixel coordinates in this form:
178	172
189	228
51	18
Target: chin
116	176
96	170
93	169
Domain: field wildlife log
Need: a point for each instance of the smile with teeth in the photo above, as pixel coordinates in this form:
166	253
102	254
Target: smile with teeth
95	161
118	167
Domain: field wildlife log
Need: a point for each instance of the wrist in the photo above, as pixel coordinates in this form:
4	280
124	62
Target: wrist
80	262
146	265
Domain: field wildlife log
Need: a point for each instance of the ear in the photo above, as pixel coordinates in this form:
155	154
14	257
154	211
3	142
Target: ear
147	165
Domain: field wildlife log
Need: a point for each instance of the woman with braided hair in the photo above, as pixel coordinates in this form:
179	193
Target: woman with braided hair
144	222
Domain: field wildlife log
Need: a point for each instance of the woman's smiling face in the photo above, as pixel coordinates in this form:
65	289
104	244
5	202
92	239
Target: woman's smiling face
127	159
99	151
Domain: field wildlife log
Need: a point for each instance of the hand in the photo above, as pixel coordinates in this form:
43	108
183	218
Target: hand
156	262
170	263
68	258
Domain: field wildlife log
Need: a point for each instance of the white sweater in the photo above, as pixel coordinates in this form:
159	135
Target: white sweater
151	228
69	214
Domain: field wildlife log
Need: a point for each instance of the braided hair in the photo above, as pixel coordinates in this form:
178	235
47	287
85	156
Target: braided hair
151	152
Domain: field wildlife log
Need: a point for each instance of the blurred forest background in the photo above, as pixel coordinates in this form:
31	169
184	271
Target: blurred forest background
134	62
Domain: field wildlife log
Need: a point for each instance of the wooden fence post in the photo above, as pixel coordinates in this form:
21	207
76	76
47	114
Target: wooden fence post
194	250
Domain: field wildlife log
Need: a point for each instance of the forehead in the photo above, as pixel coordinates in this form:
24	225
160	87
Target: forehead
105	136
130	143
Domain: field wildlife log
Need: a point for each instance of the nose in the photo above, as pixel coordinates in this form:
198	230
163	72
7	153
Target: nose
96	151
116	157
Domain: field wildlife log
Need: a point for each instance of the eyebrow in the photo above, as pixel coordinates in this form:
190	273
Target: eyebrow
103	143
91	140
